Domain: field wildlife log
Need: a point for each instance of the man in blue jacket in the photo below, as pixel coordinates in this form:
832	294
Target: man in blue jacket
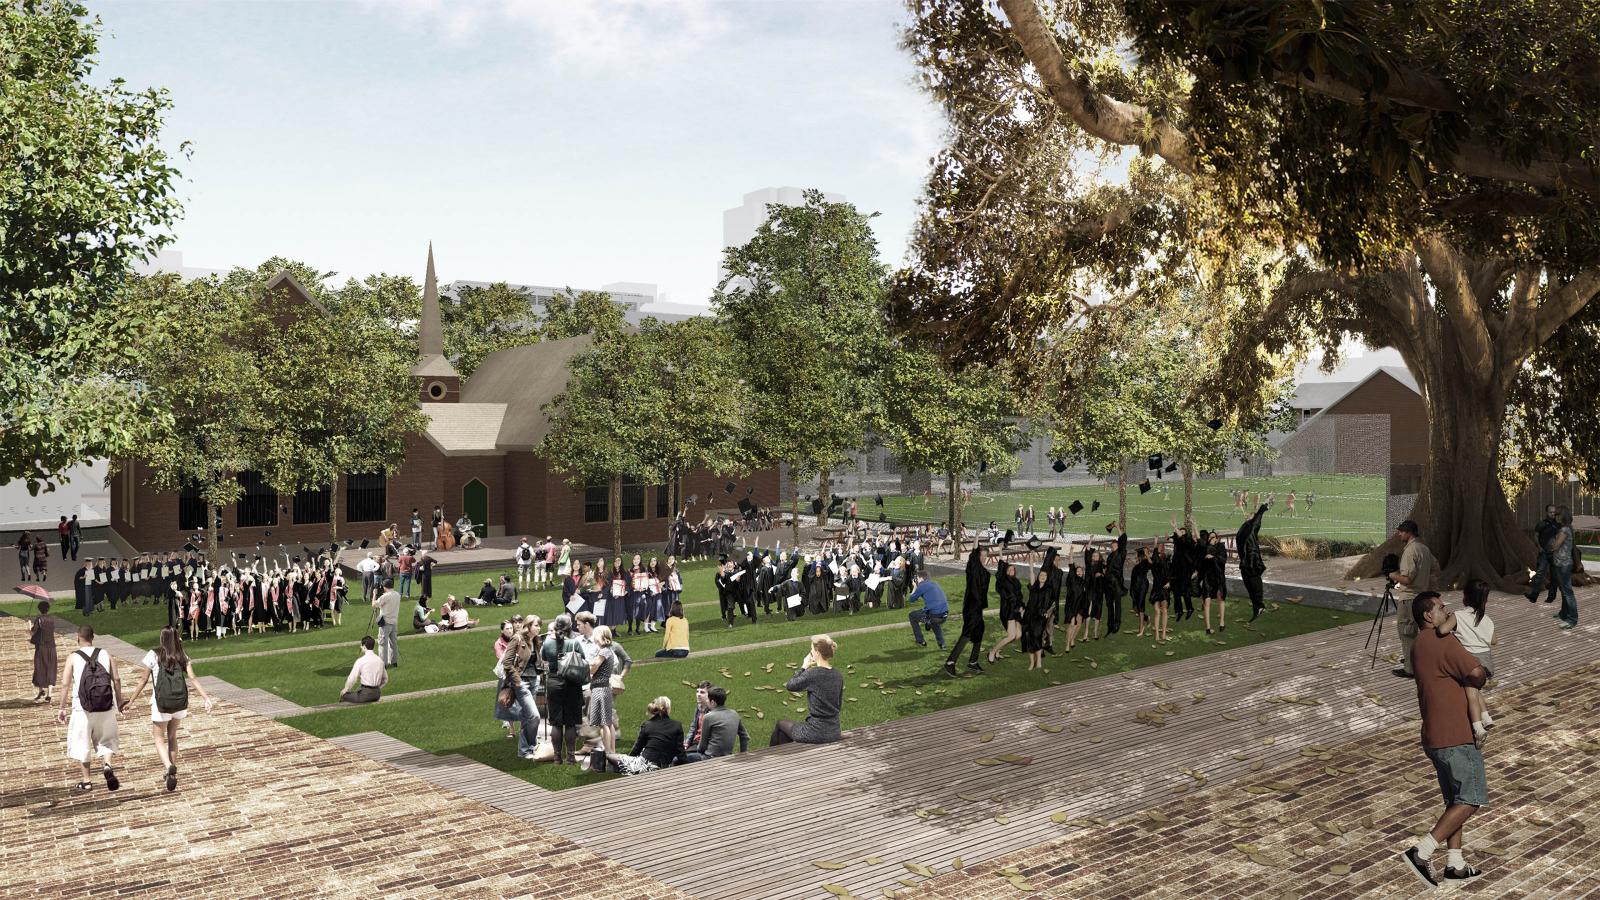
935	609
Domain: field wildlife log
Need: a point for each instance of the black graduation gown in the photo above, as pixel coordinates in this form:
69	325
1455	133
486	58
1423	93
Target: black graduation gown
82	591
1036	617
818	584
1010	591
1160	580
1249	543
898	579
1139	584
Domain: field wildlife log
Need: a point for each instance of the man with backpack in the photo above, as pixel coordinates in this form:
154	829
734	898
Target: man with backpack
524	557
95	696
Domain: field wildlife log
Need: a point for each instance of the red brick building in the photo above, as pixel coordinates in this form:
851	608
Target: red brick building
476	455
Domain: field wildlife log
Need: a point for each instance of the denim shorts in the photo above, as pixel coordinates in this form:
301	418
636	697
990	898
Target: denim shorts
1461	778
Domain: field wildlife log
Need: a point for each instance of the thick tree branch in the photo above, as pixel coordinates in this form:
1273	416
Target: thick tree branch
1404	87
1479	161
1563	302
1450	284
1516	339
1114	121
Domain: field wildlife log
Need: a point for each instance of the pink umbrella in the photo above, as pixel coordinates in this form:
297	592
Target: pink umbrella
33	590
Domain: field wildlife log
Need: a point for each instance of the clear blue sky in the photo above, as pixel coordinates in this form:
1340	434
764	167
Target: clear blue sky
545	141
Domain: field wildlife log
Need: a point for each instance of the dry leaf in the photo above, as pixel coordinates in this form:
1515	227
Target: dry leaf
956	864
1245	848
916	868
1095	738
1060	818
836	890
828	864
970	729
1046	726
1257	765
874	860
986	737
1002	820
1339	869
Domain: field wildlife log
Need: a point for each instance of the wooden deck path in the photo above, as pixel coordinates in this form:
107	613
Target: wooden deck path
772	813
257	700
454	772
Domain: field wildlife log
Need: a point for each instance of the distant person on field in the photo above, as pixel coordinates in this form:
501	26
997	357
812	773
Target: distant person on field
169	674
94	695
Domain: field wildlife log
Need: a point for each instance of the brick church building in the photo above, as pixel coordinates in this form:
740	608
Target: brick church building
477	455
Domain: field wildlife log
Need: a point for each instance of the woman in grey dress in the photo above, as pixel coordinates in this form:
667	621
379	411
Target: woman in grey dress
824	688
602	705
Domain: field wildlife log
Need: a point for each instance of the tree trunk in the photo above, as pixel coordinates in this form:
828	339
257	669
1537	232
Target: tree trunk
1462	510
333	515
822	491
1122	495
616	515
794	510
1188	497
952	484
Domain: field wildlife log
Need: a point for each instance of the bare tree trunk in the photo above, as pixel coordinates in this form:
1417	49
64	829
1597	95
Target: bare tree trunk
953	484
333	515
823	488
1188	496
1122	495
794	510
616	515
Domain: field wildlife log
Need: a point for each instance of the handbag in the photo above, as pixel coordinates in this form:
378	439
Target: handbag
617	687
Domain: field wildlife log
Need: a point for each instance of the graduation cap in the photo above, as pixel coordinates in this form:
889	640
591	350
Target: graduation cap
348	542
1214	424
1171	467
1144	486
1059	466
837	502
1110	526
1034	543
878	500
268	534
1076	507
308	551
729	487
364	543
1094	506
1155	462
332	548
749	490
189	548
258	545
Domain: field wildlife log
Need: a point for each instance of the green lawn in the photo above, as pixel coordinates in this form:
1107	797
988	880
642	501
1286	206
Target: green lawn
911	683
1349	507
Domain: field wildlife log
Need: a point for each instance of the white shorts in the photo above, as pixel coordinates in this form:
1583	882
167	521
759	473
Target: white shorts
157	715
522	566
90	734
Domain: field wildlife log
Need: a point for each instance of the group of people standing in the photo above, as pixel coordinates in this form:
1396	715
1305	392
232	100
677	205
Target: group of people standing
638	596
710	537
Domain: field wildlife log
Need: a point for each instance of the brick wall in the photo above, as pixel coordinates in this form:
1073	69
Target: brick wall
1382	395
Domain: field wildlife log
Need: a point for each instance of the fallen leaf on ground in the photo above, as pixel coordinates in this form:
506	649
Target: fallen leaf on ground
828	864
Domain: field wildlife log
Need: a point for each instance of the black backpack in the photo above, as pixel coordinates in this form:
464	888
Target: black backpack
94	684
172	689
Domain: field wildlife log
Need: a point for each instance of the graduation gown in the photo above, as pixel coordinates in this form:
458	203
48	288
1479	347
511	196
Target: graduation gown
1139	584
1249	542
1010	591
1036	617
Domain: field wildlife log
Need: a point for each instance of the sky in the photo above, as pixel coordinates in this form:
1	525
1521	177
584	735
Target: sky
560	142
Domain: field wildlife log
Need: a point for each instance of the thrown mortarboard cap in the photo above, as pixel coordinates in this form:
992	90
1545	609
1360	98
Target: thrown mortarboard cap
268	534
189	548
1059	466
729	487
1075	506
364	543
1034	543
1171	467
348	542
1144	486
1154	462
878	500
1094	506
258	545
1110	526
1214	424
308	551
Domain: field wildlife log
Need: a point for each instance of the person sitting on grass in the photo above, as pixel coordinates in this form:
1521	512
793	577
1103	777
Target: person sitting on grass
368	673
824	688
660	743
453	617
719	728
486	594
506	594
675	639
422	619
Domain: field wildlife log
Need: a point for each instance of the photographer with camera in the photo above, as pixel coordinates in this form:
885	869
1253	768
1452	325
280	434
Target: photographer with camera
1414	576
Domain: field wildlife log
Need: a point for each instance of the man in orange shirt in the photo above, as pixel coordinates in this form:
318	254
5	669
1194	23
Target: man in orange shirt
1444	669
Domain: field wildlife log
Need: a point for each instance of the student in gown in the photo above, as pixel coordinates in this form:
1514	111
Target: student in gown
1036	617
1116	561
1160	590
1215	561
1251	565
1139	585
974	600
1011	603
1183	563
1094	569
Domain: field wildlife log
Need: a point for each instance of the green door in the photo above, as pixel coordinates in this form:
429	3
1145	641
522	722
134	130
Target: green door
475	503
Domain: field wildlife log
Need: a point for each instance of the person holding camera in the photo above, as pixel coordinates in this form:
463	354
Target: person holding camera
1415	576
824	688
387	608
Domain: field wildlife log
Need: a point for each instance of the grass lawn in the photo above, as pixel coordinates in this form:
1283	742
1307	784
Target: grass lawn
1349	507
911	683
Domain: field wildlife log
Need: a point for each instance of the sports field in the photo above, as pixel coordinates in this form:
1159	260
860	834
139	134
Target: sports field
1347	507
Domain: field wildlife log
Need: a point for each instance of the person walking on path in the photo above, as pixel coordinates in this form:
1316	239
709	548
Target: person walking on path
387	605
64	531
168	670
1444	670
94	695
42	635
1561	565
1412	579
41	559
1543	535
25	556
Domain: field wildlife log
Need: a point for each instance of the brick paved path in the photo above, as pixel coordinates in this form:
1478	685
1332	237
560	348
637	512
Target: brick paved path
262	810
1331	826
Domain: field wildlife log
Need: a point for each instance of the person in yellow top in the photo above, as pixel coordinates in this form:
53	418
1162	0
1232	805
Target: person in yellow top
675	642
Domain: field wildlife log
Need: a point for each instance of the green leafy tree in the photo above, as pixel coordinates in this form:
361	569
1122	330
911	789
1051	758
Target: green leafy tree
85	195
804	299
955	423
393	302
1427	169
483	320
570	313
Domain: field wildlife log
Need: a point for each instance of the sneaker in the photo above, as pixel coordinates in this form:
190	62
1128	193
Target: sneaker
974	667
950	669
1419	867
1462	873
1566	626
1402	673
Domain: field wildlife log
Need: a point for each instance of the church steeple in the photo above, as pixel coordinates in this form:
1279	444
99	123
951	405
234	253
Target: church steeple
440	382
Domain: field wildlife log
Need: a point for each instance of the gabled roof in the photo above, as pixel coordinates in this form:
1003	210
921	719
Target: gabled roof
464	429
433	366
286	281
524	379
1398	373
1319	394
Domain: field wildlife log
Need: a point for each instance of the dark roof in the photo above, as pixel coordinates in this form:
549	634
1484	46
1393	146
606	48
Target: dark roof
524	378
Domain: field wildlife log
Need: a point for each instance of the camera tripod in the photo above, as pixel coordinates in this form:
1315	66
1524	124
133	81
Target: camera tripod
1375	635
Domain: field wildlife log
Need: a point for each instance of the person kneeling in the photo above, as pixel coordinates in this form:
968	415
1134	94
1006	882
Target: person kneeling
660	744
369	673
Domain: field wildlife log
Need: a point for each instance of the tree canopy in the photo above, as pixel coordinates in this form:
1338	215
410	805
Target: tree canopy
86	193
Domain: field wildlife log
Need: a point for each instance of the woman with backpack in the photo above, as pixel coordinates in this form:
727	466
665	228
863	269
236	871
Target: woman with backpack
171	672
567	671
